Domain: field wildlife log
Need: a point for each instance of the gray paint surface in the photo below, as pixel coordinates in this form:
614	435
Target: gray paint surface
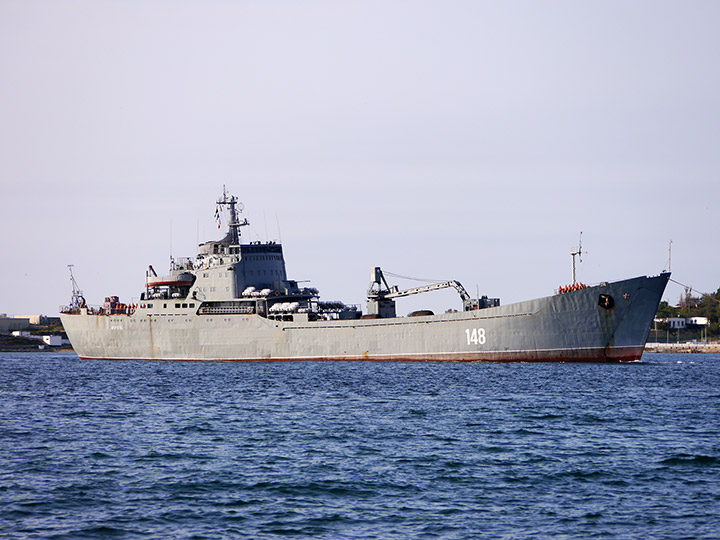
565	327
234	302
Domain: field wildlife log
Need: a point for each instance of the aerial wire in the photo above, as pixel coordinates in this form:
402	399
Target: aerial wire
689	288
414	279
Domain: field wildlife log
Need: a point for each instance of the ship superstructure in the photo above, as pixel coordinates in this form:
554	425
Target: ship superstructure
234	301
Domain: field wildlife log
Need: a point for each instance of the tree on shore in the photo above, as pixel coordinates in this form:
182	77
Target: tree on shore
705	305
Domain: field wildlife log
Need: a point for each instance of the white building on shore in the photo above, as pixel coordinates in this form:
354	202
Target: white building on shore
683	322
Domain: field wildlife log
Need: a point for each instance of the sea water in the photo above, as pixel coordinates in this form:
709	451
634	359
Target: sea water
99	449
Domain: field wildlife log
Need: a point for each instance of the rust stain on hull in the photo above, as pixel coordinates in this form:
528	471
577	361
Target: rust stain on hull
616	355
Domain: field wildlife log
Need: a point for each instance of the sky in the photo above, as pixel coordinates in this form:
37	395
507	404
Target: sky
468	140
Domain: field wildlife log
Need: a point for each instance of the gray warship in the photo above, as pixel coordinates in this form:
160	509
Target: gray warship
234	302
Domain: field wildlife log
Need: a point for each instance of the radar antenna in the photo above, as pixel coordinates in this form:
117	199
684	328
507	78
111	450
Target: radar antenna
579	253
77	301
234	225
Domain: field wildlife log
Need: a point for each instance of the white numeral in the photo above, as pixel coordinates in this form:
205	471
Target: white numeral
476	336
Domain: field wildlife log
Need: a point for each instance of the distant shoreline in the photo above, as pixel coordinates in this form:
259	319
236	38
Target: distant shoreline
10	343
689	347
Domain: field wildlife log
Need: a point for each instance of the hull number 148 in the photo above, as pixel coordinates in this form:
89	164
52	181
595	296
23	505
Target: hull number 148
475	336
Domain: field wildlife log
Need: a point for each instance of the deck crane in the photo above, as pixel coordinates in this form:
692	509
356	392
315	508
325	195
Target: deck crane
381	303
78	301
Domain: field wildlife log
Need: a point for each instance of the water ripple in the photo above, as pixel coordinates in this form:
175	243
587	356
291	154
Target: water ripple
358	451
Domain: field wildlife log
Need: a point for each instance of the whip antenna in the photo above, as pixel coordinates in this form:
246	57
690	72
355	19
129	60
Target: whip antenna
576	252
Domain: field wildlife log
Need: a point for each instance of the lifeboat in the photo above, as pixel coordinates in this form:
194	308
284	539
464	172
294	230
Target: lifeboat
181	280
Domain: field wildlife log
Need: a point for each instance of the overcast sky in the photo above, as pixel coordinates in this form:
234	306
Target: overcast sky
465	140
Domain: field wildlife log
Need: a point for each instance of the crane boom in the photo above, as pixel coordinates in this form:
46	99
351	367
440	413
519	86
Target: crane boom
381	295
429	288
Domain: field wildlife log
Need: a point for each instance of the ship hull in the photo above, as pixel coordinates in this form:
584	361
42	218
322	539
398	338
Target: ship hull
577	326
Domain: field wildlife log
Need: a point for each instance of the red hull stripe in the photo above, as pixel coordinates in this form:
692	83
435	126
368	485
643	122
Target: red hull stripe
624	354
